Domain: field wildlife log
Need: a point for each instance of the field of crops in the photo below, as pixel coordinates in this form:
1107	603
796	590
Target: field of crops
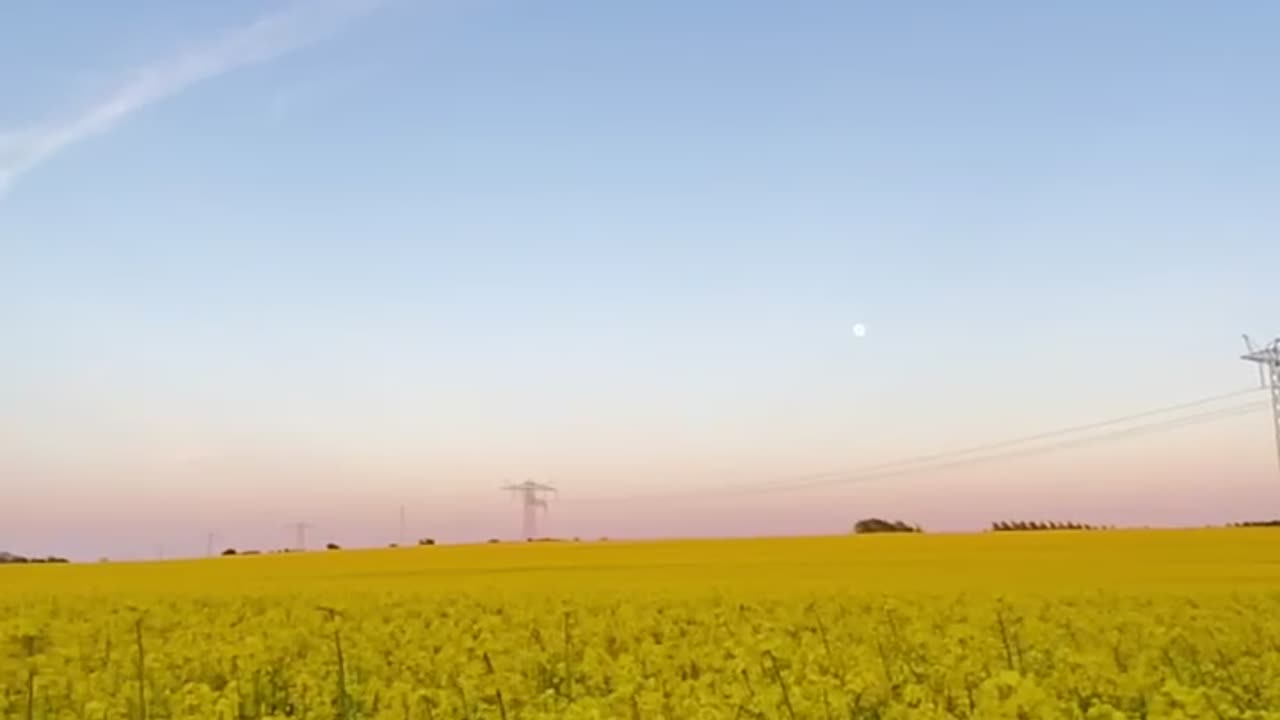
1173	624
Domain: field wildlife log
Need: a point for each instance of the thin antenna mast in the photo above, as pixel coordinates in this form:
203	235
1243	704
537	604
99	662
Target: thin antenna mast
1268	359
533	498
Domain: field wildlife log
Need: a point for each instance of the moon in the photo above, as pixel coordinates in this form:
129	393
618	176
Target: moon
859	330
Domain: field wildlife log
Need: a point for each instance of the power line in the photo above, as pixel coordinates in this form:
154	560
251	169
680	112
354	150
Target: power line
1025	439
925	461
1137	431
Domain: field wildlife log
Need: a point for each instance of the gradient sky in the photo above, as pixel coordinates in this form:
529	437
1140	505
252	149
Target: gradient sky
262	262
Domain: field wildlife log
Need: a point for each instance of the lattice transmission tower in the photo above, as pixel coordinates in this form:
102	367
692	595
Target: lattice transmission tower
533	497
1268	360
300	534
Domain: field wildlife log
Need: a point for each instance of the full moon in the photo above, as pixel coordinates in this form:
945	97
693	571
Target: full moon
859	330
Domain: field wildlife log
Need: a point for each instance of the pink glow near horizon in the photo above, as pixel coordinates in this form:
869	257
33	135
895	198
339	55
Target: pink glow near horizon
1206	476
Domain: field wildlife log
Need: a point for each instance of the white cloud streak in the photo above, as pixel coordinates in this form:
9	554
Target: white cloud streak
265	39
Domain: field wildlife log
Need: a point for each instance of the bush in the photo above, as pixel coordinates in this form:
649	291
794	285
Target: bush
876	525
228	552
427	541
332	546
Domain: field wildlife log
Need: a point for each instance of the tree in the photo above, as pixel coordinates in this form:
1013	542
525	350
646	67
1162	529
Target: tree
427	541
228	552
332	546
877	525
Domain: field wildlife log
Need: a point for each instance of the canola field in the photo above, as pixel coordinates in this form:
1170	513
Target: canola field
1125	624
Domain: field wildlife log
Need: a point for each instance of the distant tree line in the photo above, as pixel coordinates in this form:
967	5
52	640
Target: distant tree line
230	552
1256	523
1023	526
876	525
11	559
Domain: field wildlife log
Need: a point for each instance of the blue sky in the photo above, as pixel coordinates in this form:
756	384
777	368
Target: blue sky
261	259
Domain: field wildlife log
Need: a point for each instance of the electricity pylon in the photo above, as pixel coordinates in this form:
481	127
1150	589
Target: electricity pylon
1268	359
532	498
300	529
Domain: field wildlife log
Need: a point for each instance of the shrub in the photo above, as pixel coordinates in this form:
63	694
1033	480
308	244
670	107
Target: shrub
332	546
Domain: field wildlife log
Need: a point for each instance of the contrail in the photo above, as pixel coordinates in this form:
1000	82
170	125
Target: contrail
262	40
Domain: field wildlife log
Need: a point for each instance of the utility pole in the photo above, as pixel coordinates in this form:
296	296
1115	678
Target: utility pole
208	546
1268	359
300	530
401	526
532	498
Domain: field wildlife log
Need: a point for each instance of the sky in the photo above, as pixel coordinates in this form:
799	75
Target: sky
265	262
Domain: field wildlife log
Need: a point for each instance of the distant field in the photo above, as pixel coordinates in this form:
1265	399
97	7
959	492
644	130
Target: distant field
1036	625
1192	560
